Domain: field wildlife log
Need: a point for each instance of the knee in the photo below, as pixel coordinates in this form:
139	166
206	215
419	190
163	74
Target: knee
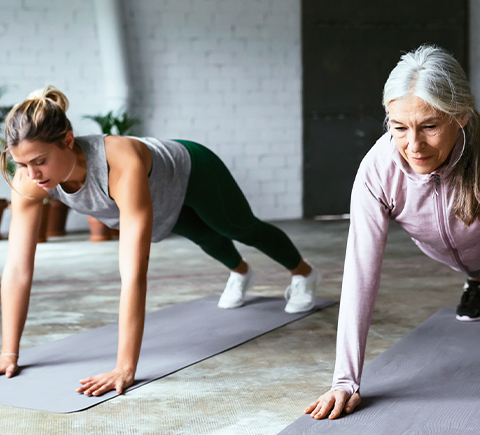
210	240
249	236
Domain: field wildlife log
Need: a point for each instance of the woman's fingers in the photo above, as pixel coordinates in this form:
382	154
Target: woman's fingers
8	366
352	403
327	405
86	386
119	386
334	401
94	389
321	407
337	409
10	370
311	407
97	390
89	385
100	384
84	381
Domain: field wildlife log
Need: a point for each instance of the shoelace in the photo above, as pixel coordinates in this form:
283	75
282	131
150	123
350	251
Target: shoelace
236	284
292	290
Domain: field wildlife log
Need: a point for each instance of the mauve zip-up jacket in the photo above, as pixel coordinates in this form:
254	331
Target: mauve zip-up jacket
387	188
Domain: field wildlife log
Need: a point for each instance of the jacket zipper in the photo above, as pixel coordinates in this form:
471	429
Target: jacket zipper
441	220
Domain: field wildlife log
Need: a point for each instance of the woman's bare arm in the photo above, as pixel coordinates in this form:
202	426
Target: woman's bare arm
18	271
128	184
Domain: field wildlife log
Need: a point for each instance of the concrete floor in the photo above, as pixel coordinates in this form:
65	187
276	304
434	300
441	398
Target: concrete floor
257	388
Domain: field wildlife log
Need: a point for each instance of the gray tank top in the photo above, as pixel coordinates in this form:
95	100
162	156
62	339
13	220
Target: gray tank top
167	180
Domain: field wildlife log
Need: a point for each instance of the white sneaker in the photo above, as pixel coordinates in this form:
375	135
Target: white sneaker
237	285
300	294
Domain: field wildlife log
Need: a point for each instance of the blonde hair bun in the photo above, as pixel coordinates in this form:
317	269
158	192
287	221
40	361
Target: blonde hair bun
50	93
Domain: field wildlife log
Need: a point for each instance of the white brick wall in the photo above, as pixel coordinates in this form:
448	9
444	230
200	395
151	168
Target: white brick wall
51	42
225	73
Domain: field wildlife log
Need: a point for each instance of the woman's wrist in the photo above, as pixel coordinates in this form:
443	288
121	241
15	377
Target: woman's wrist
126	368
8	354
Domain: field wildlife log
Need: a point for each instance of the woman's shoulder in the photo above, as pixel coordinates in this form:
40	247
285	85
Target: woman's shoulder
128	145
379	173
121	149
26	189
381	152
380	158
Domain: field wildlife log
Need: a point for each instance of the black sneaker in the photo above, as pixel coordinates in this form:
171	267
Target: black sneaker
469	308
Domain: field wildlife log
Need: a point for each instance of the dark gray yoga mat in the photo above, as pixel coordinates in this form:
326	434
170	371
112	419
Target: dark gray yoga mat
174	338
426	383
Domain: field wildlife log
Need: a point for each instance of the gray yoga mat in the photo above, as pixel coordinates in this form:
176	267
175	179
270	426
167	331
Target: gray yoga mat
426	383
174	338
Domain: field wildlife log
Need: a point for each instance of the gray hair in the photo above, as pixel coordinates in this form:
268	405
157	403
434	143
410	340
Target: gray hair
435	76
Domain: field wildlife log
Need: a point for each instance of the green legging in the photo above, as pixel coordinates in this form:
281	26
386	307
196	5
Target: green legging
215	212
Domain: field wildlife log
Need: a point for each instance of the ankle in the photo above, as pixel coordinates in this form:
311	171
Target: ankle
303	269
242	268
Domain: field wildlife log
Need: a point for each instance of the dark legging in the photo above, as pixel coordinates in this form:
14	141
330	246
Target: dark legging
215	212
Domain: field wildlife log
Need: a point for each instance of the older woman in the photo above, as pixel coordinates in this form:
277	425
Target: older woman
145	187
424	174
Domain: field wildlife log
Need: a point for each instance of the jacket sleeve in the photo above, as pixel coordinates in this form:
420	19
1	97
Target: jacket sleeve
369	214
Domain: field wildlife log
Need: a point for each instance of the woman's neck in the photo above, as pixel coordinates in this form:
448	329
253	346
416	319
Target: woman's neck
76	178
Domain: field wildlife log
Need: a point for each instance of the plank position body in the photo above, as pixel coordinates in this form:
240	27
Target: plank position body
147	189
424	173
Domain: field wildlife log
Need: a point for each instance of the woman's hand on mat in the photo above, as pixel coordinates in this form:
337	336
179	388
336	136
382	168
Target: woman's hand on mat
339	400
117	379
8	365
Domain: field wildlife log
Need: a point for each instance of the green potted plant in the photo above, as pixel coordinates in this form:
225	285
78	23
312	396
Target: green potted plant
110	123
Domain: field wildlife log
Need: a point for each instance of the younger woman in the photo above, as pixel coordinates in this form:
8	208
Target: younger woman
146	188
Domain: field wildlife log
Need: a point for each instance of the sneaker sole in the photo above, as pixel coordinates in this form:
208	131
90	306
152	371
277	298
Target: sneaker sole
301	310
468	319
231	307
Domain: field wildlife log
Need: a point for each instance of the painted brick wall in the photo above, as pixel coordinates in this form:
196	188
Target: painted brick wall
225	73
51	42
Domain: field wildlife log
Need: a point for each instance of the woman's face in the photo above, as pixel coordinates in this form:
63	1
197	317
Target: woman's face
424	136
46	164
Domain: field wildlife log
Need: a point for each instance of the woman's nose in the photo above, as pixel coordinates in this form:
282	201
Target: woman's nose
415	142
34	173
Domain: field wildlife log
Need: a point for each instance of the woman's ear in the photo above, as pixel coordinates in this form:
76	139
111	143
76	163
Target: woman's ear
463	120
69	139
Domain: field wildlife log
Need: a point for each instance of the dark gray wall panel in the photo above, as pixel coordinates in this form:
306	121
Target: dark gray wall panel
349	48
